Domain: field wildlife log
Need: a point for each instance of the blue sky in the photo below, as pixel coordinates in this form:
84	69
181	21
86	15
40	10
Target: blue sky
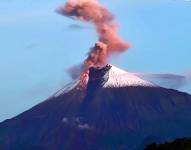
38	45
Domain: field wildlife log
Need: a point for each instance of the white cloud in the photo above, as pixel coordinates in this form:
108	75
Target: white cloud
65	120
84	126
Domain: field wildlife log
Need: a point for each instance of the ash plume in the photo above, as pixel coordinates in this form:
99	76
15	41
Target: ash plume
109	41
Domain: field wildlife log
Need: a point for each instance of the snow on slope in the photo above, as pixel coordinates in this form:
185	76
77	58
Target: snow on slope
117	78
67	88
121	78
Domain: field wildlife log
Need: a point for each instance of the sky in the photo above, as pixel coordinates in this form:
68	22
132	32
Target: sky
37	45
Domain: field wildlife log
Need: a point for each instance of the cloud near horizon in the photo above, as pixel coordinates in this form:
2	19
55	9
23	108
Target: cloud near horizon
173	81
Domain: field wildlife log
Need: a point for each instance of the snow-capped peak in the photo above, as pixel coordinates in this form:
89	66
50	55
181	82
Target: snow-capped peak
121	78
108	78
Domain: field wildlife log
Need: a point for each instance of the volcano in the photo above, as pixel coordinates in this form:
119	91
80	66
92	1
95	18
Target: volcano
111	110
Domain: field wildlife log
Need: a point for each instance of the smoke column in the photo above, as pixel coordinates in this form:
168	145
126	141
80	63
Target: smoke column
109	42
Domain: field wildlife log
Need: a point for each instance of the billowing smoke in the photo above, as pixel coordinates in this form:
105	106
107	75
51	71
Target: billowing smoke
109	41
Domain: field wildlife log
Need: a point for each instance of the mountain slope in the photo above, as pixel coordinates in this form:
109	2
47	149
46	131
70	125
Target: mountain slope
115	110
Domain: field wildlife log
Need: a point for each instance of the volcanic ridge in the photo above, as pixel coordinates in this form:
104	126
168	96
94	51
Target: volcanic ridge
112	109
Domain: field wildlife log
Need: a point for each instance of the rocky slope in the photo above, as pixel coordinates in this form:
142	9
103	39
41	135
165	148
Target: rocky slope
114	110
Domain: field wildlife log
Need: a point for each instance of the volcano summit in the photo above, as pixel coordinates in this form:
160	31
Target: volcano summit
112	110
